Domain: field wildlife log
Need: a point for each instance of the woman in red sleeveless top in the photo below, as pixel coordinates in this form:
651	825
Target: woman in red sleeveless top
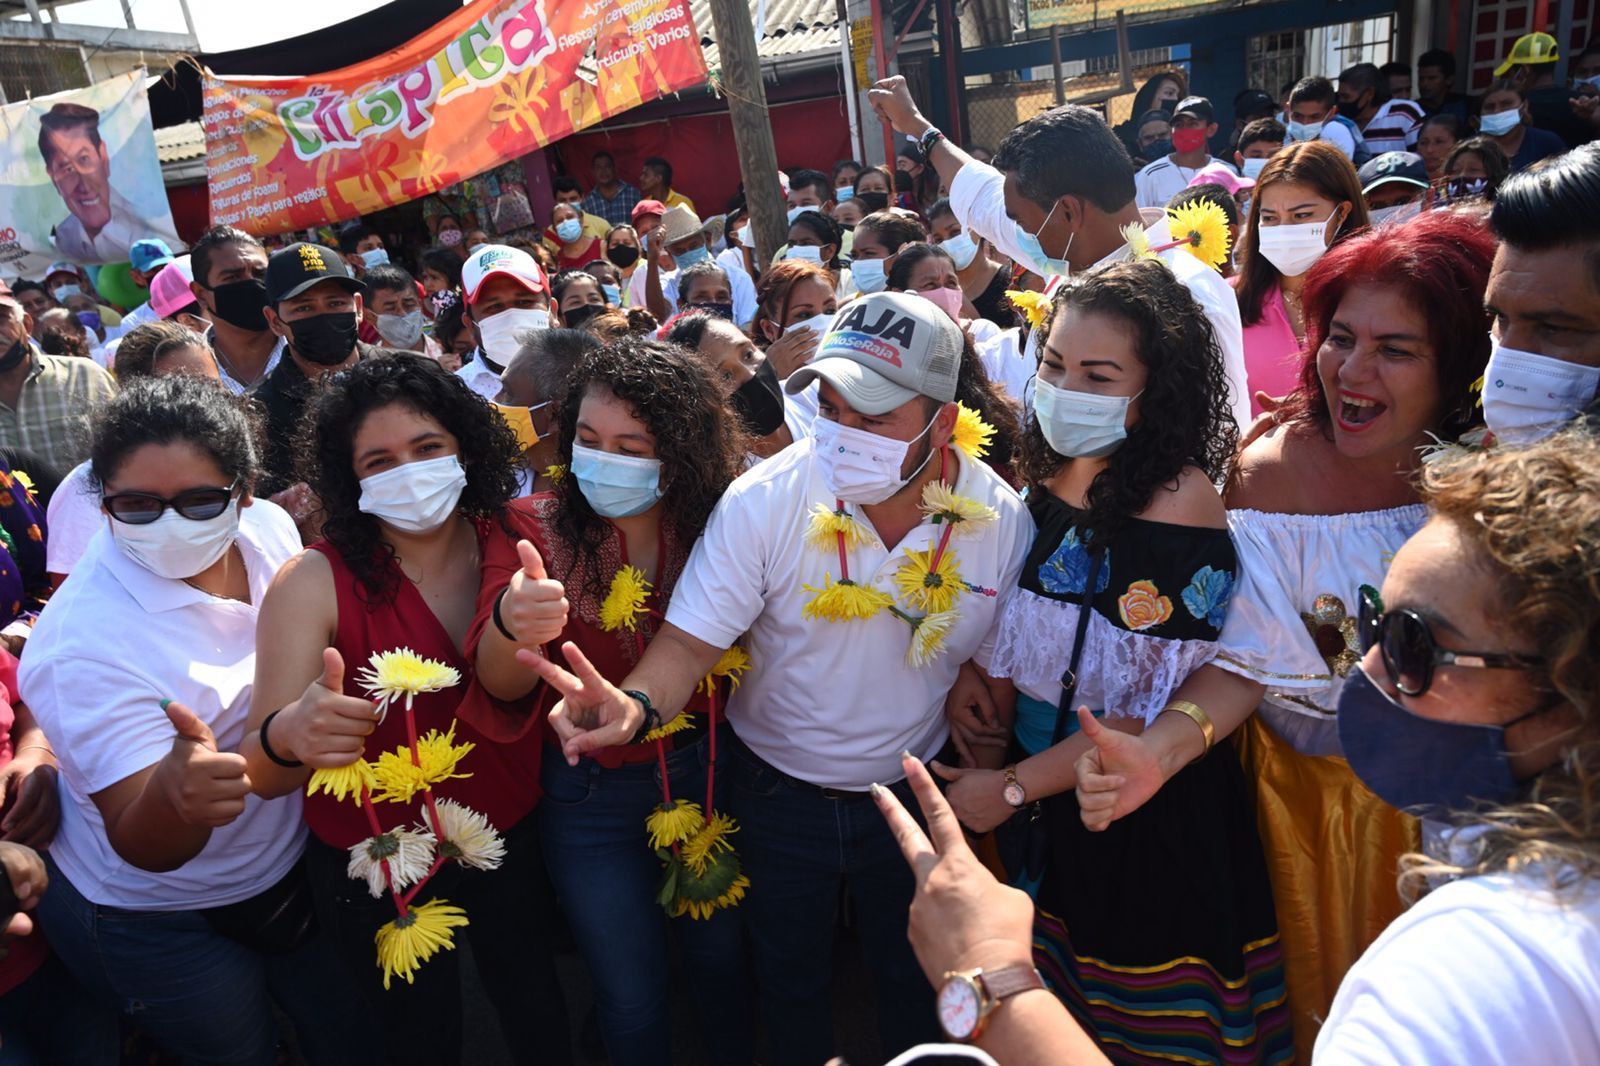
414	472
650	446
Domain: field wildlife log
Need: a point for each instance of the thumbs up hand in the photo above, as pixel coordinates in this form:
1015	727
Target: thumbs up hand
205	786
324	728
533	607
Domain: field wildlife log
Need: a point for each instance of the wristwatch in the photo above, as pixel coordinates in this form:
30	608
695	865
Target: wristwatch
1013	792
652	717
968	997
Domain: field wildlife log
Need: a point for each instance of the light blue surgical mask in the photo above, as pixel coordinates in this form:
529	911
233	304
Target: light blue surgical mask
616	486
1252	168
691	257
962	248
613	294
377	257
61	292
1305	131
1033	256
1500	123
1593	82
796	212
869	275
1080	425
569	230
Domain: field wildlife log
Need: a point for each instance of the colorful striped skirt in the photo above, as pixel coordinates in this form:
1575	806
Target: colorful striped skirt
1159	933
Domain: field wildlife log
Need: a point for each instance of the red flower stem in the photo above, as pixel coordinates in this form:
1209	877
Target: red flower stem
438	861
938	553
844	560
411	735
1174	244
661	760
433	813
711	765
377	831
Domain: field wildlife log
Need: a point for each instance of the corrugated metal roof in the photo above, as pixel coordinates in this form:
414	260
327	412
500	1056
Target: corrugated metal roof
176	143
794	27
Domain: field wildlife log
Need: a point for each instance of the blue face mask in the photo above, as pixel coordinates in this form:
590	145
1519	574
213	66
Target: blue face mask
1080	425
569	230
1252	168
90	319
616	486
1305	131
692	256
869	275
1422	764
1500	123
61	292
1033	252
376	258
613	294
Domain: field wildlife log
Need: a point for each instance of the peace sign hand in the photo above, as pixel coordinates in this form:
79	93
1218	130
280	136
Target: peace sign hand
593	713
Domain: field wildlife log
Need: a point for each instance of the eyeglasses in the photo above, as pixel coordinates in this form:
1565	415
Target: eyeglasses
1410	654
141	508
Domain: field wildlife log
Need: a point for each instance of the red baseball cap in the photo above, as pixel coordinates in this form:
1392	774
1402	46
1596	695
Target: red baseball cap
647	207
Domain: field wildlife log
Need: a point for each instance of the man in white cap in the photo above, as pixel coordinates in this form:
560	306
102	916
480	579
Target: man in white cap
507	296
688	241
832	698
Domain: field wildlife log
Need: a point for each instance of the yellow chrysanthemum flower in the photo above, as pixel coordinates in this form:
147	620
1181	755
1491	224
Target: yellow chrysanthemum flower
625	602
672	823
343	781
929	635
972	434
927	589
826	526
408	942
843	601
399	779
555	474
1031	305
677	725
964	515
1203	228
389	675
711	839
733	662
1137	239
700	892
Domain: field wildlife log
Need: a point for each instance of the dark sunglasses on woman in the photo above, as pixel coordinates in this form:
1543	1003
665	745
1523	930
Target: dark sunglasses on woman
1409	652
142	508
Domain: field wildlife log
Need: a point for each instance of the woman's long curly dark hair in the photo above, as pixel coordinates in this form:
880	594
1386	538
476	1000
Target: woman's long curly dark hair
489	453
698	440
1184	414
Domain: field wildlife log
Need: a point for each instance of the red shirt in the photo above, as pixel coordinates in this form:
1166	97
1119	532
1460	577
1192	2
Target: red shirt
613	654
504	781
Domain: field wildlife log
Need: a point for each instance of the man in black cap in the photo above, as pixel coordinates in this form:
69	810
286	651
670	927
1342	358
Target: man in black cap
314	304
1193	126
1393	184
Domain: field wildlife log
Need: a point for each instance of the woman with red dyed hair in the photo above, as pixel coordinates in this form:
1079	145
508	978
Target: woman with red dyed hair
1395	335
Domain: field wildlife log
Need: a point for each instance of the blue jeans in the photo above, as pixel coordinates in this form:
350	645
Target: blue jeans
205	998
593	823
798	843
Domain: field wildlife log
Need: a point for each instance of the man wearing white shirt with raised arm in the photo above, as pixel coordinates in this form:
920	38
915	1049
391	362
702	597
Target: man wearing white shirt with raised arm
834	694
1053	218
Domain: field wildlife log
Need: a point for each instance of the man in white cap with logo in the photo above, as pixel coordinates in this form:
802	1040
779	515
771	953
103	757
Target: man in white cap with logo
841	680
507	296
688	241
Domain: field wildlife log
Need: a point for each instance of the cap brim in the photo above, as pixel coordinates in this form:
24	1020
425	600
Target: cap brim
1392	181
865	390
472	297
355	285
1500	71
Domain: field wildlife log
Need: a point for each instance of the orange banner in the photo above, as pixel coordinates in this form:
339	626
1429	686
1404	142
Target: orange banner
491	83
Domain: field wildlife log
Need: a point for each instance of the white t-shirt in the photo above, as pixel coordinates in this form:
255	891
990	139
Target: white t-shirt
739	283
1161	180
113	642
1487	970
73	518
835	703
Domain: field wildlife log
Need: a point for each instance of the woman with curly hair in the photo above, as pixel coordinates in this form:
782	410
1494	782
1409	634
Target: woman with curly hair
414	472
1124	591
1396	334
650	444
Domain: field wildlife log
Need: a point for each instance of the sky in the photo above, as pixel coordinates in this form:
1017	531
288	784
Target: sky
222	25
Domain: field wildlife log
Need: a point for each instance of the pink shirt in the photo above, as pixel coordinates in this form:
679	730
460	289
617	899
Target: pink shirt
1271	352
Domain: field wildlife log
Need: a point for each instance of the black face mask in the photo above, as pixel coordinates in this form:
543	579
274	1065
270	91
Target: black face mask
722	311
239	304
1168	105
326	340
759	401
875	201
623	255
577	316
14	356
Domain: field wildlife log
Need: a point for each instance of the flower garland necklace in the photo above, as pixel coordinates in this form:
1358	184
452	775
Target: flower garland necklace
391	860
928	581
701	872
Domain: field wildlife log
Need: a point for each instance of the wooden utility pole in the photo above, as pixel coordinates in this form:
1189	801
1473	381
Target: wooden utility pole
752	126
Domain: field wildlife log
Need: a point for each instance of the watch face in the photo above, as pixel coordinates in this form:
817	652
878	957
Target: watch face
1012	794
958	1008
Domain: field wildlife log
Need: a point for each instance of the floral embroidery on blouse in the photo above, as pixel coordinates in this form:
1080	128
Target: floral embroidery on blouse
1333	630
1143	606
1208	594
1066	572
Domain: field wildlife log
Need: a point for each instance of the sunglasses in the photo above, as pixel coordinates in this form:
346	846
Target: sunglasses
1410	654
141	508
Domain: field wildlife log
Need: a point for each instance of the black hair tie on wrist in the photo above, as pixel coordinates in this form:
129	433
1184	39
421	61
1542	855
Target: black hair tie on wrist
288	764
500	622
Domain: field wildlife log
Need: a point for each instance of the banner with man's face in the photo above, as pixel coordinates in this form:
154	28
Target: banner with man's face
79	178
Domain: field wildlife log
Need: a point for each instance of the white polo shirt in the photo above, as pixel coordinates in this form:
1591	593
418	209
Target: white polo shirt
73	518
834	703
113	642
480	376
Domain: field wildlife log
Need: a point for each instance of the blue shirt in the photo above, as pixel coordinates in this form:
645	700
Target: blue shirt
619	209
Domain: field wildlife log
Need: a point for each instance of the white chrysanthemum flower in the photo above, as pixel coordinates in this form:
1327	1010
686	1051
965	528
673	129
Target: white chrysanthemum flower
410	854
468	837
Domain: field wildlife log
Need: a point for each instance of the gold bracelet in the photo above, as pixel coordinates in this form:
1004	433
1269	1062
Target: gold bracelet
1198	716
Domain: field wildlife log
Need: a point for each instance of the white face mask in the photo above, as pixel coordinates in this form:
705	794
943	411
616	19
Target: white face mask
416	497
502	333
1252	167
796	212
1500	123
861	467
1293	250
177	547
402	331
1527	397
1080	425
804	251
962	248
819	325
868	275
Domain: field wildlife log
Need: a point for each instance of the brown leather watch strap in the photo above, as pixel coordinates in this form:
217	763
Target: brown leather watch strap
1010	980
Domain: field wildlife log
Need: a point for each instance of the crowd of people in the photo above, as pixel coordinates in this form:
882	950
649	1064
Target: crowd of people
1154	602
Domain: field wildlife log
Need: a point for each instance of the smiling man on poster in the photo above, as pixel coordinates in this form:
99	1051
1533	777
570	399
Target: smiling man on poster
101	224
